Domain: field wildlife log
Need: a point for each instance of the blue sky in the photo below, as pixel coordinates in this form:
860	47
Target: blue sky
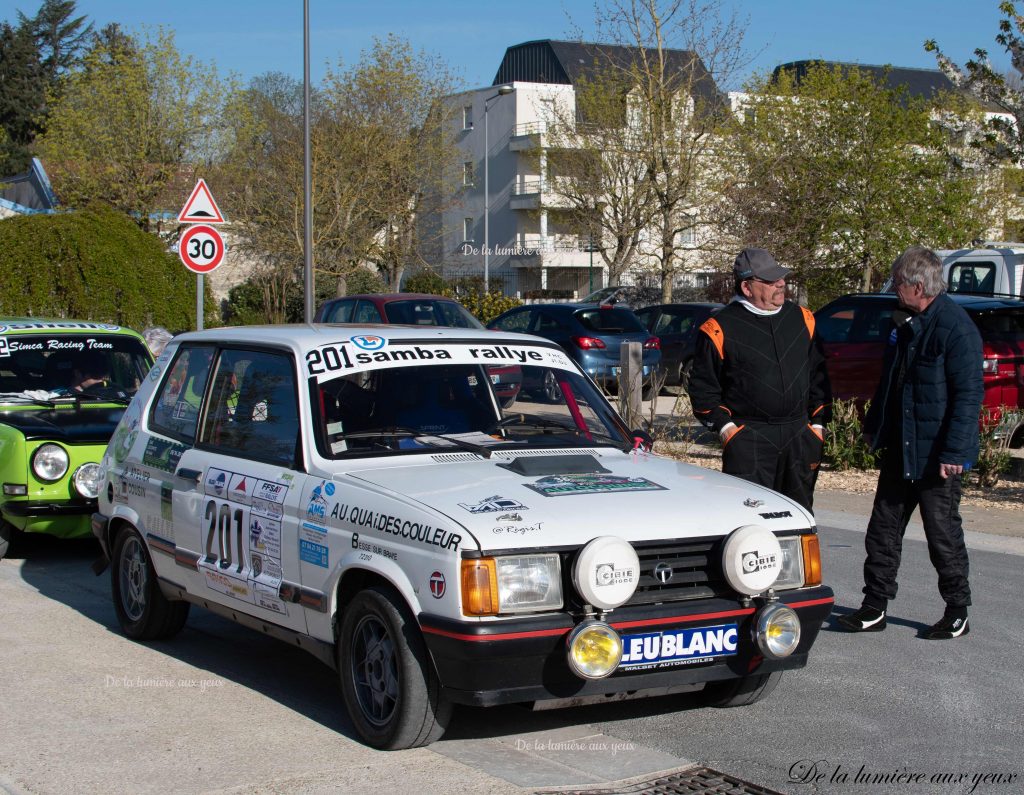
250	37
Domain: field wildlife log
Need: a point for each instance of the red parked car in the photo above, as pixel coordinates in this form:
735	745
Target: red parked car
418	309
854	330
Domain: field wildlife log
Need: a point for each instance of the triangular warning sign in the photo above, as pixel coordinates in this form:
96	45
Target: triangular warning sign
200	207
241	486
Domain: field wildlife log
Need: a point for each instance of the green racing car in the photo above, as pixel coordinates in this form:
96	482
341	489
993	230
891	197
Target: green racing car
64	385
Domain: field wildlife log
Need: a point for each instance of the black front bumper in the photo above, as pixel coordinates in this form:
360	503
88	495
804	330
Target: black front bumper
484	664
29	508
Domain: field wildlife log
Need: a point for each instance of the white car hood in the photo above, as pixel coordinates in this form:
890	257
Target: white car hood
640	498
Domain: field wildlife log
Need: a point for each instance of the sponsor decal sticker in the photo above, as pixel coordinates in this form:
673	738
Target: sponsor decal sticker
606	574
493	504
775	515
313	553
369	342
163	455
517	530
681	647
753	562
437	585
564	485
397	526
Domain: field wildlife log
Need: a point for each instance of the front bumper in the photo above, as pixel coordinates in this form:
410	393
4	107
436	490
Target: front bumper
60	518
484	664
47	508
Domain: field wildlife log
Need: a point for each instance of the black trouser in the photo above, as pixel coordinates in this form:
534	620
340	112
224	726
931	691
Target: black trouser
783	457
895	501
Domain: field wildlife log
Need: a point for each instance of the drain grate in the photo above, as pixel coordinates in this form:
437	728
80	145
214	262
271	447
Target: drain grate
691	781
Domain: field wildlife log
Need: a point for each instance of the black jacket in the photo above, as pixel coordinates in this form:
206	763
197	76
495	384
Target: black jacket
761	368
942	390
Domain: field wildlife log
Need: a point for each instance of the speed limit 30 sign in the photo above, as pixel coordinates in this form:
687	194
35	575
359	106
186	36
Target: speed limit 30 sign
201	248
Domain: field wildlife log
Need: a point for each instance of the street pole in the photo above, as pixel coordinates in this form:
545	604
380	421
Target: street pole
487	191
307	181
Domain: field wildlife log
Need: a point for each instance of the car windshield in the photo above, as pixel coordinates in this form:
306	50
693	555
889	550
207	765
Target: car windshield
425	312
48	366
473	407
610	320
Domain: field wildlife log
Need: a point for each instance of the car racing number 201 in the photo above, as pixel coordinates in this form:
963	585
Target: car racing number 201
240	536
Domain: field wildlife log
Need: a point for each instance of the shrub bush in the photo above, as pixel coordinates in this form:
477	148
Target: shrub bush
845	447
993	453
94	264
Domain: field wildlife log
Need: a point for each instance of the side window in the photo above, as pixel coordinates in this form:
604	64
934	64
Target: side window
175	412
253	410
341	312
646	315
517	321
872	324
978	278
836	325
547	323
366	313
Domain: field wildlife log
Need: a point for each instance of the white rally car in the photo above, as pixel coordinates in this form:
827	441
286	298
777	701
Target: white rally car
364	493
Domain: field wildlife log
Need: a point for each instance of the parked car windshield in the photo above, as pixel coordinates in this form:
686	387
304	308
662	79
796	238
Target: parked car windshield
1004	325
463	406
610	320
424	312
60	364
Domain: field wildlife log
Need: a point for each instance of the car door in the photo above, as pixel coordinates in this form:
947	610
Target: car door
238	507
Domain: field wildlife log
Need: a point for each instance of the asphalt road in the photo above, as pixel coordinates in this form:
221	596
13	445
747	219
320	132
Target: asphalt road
223	709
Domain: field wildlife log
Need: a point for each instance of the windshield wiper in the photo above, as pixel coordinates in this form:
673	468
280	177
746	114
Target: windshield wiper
21	398
424	437
104	396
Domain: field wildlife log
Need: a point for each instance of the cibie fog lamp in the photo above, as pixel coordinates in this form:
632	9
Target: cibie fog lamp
778	631
595	650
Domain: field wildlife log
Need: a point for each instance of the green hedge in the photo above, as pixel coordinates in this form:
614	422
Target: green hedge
96	265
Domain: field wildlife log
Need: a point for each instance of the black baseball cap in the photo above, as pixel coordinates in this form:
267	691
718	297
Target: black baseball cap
757	263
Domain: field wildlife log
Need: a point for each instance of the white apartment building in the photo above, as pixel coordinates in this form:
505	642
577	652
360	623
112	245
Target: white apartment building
505	221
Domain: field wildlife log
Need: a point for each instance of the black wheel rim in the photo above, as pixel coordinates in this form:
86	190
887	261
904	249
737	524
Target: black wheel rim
375	670
133	578
551	391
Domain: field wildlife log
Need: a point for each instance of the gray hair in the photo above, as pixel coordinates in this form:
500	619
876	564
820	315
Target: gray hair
156	338
920	265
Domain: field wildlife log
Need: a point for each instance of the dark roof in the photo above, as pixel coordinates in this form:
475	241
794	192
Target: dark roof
30	191
923	83
567	62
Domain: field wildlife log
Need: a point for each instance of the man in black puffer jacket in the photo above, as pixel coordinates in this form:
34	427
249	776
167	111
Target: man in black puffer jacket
924	418
759	381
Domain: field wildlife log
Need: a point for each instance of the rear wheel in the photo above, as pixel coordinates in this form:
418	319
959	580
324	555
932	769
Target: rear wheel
143	612
388	682
740	692
550	390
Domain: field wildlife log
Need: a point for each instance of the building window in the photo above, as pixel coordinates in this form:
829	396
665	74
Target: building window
467	229
467	117
687	238
467	173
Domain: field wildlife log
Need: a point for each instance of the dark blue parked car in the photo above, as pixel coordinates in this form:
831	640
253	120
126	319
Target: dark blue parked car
589	333
676	326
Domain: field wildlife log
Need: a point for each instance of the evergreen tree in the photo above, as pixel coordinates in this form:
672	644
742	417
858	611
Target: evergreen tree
60	36
22	96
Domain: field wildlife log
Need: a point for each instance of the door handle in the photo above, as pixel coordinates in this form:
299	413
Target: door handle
190	474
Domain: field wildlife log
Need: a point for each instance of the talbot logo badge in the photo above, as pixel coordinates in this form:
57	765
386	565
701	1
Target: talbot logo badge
663	573
750	502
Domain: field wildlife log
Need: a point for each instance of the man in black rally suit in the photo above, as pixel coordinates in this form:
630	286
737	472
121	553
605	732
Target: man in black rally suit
759	381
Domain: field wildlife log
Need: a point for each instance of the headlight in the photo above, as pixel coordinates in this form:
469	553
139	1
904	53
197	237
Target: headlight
801	562
50	462
511	584
88	479
778	631
595	650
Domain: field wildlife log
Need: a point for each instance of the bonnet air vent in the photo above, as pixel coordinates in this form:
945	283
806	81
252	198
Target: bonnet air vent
555	465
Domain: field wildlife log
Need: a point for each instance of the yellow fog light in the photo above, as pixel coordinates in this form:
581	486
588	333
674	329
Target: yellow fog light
595	650
778	631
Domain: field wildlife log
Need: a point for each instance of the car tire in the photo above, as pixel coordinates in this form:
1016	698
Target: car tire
550	390
741	692
143	611
388	682
8	532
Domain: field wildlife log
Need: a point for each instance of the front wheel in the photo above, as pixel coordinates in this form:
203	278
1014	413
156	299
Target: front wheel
741	692
387	680
143	612
7	535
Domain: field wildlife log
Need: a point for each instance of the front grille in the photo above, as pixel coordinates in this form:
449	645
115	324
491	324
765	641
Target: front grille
688	569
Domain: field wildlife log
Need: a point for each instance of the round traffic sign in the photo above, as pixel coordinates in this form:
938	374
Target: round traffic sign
201	248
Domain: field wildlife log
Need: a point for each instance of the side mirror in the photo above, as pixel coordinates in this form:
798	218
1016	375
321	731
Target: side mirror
643	440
